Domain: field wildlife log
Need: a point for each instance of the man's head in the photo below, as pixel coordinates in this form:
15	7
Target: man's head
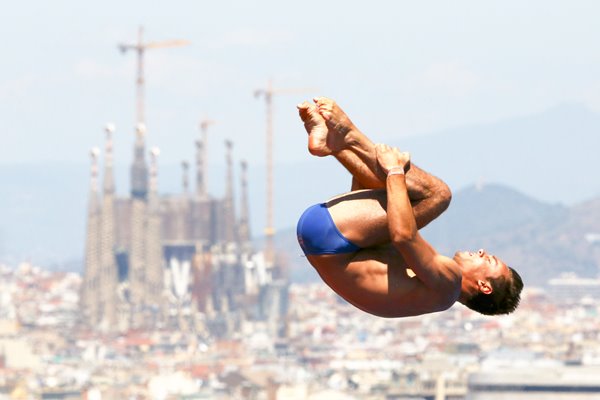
489	285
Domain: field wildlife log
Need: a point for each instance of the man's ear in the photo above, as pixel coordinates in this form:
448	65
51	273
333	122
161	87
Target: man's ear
484	287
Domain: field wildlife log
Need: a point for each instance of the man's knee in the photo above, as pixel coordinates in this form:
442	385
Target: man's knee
442	195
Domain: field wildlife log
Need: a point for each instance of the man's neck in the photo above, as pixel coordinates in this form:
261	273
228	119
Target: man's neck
468	289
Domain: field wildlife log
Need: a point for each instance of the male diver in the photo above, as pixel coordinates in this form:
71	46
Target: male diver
366	244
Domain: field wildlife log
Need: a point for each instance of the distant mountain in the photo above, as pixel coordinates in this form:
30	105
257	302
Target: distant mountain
555	240
479	211
42	213
540	240
552	156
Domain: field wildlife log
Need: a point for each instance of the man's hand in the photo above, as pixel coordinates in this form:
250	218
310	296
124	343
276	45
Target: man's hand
391	157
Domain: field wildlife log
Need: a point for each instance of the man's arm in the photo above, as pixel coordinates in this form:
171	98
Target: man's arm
429	266
356	185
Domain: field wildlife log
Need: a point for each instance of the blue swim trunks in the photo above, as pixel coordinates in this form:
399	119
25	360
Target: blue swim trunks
317	233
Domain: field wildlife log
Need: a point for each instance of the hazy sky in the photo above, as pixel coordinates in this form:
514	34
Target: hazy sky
399	68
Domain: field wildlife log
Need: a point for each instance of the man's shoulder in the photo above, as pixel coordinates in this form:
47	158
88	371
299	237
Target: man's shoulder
450	278
447	262
448	268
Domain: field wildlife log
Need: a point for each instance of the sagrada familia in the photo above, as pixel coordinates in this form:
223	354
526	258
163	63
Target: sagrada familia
155	261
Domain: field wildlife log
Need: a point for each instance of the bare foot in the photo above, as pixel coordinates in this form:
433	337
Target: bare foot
335	117
316	128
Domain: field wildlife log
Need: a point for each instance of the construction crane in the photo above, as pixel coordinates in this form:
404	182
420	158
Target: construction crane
268	95
140	47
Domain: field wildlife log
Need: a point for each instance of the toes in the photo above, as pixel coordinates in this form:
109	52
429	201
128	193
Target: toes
303	112
325	110
306	106
325	114
320	100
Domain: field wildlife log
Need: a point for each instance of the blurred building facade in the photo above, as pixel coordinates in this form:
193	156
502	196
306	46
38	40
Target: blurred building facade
155	261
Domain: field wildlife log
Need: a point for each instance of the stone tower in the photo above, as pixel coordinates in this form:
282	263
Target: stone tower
107	278
244	224
89	288
200	180
139	169
154	282
137	251
228	209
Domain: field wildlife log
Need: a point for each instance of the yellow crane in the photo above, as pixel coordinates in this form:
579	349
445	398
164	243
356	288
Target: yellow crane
140	47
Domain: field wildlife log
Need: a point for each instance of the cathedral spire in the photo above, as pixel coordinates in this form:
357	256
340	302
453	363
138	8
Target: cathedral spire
229	211
154	153
153	285
200	180
139	169
93	204
244	224
229	163
138	219
109	180
185	168
107	276
202	158
89	289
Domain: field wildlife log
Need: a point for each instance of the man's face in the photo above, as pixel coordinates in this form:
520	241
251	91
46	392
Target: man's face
482	264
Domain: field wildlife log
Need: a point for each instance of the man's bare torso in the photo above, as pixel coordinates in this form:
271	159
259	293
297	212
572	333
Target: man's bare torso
377	280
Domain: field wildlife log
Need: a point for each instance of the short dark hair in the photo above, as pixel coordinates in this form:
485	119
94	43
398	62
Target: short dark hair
504	299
